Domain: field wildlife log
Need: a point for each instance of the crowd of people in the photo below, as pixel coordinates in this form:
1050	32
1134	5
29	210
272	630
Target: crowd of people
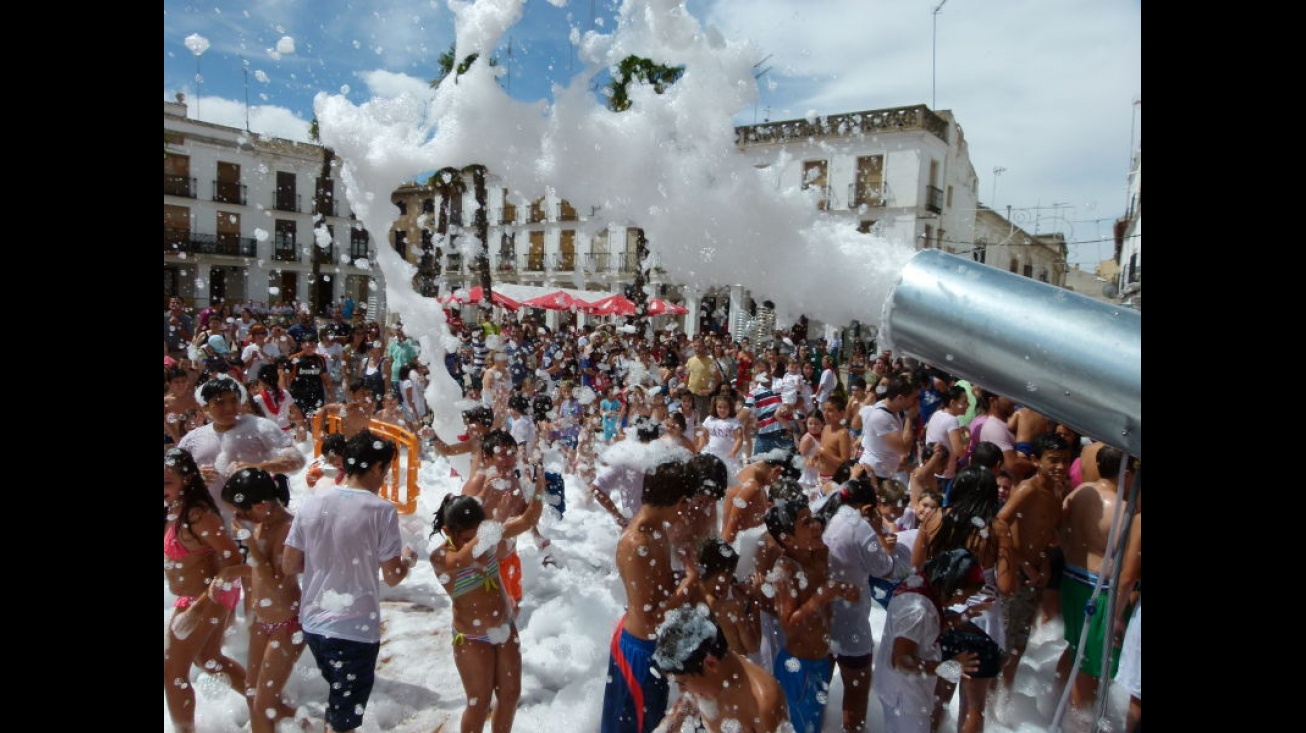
765	499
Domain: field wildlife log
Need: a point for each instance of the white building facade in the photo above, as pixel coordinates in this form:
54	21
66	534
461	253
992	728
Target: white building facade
239	220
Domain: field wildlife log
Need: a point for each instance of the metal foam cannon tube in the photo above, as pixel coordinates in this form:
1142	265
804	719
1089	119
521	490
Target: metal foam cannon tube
1072	358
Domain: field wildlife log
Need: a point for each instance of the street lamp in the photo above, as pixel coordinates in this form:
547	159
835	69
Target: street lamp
997	171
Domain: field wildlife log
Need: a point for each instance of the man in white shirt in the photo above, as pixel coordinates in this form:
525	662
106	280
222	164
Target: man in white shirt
889	430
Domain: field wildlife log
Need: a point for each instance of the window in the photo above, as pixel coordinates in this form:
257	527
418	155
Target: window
227	189
928	237
1014	266
176	228
228	228
938	240
567	212
868	189
401	242
816	175
402	206
507	252
176	176
283	242
537	211
567	250
630	260
428	206
599	259
324	196
285	199
509	215
535	258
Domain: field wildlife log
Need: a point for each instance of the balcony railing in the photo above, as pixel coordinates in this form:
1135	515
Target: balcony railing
533	262
326	208
934	199
284	249
229	193
178	186
629	262
870	194
563	261
179	240
507	262
598	262
284	201
324	255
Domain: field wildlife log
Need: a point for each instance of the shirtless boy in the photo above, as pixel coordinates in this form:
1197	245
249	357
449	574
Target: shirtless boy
644	564
1027	527
803	592
728	692
1086	520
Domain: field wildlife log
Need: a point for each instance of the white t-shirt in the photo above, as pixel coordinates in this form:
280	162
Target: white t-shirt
877	422
252	439
910	616
855	555
345	535
939	430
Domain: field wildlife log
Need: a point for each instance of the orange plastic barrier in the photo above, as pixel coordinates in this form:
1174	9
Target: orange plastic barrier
400	491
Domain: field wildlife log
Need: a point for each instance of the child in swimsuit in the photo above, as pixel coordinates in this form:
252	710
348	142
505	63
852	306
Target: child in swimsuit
486	647
275	641
196	547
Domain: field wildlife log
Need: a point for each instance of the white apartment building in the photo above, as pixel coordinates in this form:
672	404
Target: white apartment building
238	219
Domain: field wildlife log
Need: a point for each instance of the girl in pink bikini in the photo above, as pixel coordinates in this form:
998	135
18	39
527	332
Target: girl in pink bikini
196	547
275	641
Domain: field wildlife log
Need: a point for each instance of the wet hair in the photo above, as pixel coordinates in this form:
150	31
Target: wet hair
456	513
711	475
930	449
496	441
855	493
782	516
480	415
685	638
950	570
785	489
856	383
219	385
252	485
717	556
194	492
267	374
900	384
646	429
334	443
367	449
1049	441
174	372
520	403
1108	461
987	454
972	506
668	483
837	399
844	471
892	491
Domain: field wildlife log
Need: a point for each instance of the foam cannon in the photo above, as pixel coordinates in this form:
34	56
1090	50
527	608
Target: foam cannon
1074	359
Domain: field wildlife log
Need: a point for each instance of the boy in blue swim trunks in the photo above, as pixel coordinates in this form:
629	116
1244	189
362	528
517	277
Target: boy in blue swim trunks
635	697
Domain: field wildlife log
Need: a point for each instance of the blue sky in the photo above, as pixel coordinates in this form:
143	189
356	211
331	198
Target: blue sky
1044	90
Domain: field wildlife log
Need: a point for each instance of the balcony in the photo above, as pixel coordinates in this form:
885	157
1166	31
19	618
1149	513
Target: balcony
563	261
507	262
324	255
533	262
506	215
629	262
934	199
454	263
326	208
176	241
598	262
284	249
871	193
286	201
229	193
178	186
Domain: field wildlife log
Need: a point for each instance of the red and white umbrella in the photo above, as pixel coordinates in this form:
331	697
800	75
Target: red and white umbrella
613	305
475	294
557	301
658	307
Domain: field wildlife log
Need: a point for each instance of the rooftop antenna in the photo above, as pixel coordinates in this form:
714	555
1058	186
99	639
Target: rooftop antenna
507	78
244	67
757	76
198	45
934	55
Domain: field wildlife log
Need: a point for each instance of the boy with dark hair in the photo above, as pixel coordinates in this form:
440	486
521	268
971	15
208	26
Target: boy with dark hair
717	681
635	697
1027	528
339	539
